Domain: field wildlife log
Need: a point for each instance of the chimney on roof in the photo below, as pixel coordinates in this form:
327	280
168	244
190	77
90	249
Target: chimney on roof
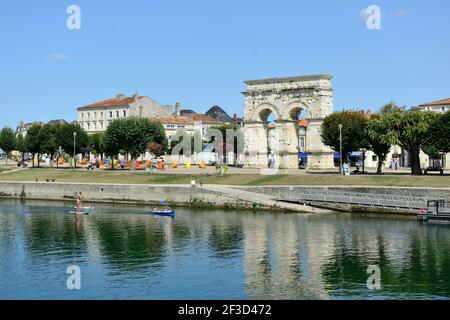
177	108
120	95
136	96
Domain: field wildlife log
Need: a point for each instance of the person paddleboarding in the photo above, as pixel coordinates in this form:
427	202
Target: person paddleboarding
79	203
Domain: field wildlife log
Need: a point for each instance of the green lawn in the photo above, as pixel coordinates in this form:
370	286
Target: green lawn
65	175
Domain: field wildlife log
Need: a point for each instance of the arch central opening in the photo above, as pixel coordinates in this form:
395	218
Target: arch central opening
300	120
269	118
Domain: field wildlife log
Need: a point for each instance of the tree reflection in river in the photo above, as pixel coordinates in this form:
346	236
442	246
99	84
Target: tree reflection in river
126	252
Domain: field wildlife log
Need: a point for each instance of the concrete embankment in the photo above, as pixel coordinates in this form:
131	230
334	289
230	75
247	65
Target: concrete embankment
217	196
408	196
183	195
284	191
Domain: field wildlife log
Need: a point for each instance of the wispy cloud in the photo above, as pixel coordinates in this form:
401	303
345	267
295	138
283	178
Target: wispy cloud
403	13
58	56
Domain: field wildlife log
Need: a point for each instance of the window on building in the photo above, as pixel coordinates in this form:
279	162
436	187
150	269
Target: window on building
110	114
95	115
374	158
124	113
88	126
101	114
89	115
82	115
117	114
443	108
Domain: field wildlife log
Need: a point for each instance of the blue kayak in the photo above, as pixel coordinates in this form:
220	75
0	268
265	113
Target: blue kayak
164	212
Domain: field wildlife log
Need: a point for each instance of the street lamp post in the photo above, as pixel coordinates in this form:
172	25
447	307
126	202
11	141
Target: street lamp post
363	159
74	148
340	148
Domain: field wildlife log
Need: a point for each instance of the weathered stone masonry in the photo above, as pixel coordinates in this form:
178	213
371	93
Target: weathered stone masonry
286	98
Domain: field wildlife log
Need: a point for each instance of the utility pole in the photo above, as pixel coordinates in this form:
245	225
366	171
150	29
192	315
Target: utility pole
340	148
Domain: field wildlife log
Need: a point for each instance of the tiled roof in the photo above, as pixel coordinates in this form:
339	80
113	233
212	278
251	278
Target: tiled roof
204	118
303	123
174	120
114	102
26	126
187	119
437	103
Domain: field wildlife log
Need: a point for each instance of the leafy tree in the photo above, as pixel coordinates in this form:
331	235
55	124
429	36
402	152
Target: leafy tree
132	136
354	133
156	133
376	129
96	144
431	149
49	137
439	133
33	141
390	107
410	130
111	140
156	149
232	135
21	145
66	139
137	133
7	141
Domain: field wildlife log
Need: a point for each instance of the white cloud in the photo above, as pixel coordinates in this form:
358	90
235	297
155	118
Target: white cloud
58	56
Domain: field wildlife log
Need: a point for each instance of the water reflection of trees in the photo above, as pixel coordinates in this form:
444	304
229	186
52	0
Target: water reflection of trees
283	256
424	269
55	233
131	244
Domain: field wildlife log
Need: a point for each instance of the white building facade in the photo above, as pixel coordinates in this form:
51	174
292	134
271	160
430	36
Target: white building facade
97	116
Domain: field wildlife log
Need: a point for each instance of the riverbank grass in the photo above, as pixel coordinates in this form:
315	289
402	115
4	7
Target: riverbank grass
139	177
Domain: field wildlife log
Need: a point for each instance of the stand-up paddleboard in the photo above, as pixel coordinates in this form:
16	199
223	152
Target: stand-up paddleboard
85	208
78	212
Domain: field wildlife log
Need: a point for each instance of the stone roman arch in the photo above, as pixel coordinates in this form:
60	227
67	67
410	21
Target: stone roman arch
286	98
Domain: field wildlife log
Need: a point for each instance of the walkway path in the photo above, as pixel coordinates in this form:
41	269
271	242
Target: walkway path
263	199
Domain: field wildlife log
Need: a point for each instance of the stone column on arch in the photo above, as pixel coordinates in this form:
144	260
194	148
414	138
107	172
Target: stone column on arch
255	133
320	156
288	144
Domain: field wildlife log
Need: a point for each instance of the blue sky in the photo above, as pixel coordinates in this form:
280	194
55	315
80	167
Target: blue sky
200	52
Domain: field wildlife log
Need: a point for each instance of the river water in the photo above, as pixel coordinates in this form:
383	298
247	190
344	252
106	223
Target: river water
125	253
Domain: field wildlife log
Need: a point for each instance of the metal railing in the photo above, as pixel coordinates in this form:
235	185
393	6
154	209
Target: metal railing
356	199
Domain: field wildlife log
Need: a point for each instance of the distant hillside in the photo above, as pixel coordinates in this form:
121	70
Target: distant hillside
218	113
